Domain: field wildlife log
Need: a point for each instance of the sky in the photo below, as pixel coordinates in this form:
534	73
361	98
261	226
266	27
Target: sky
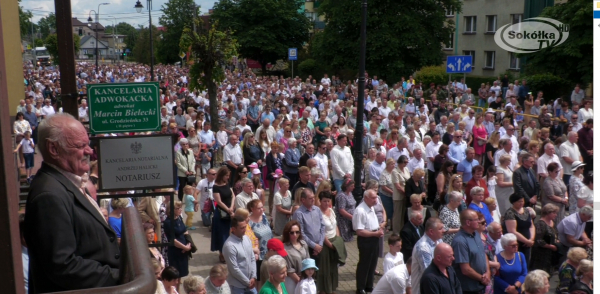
115	12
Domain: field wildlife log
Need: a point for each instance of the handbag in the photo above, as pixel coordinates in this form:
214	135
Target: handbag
191	180
480	142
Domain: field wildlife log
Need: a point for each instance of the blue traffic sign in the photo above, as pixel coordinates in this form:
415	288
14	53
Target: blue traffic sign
459	64
292	53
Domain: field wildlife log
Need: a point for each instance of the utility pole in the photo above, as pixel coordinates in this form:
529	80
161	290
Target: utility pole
358	135
66	55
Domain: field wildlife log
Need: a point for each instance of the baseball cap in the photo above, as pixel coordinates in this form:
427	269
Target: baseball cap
277	246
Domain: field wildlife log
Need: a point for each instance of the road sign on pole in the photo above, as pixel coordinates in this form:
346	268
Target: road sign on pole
459	64
125	107
293	54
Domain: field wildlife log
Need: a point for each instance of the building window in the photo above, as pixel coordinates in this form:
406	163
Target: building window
470	24
514	61
472	53
490	59
450	11
450	44
491	24
516	19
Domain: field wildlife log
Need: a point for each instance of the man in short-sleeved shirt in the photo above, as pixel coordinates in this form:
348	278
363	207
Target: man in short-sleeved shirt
573	226
366	225
440	277
469	255
465	167
395	281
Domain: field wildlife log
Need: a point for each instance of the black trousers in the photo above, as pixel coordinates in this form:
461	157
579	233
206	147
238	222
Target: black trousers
182	184
431	187
368	252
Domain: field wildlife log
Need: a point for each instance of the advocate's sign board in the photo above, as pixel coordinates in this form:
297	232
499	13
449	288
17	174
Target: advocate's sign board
124	107
136	162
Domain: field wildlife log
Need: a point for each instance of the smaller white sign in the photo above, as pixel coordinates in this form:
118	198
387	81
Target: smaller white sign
133	163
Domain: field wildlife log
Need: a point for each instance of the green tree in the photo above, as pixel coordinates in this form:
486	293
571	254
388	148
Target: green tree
265	29
141	49
177	15
129	31
24	21
573	59
209	47
51	43
402	36
47	25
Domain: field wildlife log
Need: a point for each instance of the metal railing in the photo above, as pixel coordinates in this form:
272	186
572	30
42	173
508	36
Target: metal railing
136	274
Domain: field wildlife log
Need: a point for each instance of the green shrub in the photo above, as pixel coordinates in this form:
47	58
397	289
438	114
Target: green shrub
307	67
432	74
552	86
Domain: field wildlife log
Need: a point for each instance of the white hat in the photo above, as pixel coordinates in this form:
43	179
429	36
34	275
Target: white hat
576	164
490	110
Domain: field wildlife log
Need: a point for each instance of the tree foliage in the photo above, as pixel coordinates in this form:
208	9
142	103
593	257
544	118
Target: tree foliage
265	29
572	60
51	43
432	74
553	86
141	49
47	25
177	15
402	36
24	21
208	47
129	31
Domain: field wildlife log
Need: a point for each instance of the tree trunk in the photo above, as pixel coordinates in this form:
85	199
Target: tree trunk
212	96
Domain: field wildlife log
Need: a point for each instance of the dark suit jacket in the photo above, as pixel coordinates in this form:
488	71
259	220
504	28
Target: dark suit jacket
522	186
303	159
271	165
70	244
409	239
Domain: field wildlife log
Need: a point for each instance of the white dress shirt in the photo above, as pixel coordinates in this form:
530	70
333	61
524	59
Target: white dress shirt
342	162
323	164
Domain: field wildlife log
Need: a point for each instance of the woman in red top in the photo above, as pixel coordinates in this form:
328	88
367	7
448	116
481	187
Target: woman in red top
480	137
477	180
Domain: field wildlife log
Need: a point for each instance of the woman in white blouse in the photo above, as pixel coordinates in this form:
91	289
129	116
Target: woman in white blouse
334	250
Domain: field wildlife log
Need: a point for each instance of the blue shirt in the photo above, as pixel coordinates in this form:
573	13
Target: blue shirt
265	115
189	203
207	137
467	169
311	225
115	224
484	210
31	118
468	248
510	274
457	152
253	111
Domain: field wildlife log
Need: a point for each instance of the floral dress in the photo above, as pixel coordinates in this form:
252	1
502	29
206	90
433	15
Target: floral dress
305	136
575	185
162	212
451	220
544	258
347	203
262	230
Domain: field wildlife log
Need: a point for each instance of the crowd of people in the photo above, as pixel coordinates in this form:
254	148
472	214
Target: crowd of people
459	186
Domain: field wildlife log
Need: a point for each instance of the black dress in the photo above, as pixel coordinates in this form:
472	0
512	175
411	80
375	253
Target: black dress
412	188
220	226
523	226
177	259
488	148
544	258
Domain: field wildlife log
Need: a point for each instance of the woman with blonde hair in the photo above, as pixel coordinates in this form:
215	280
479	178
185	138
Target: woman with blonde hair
490	149
194	285
118	205
504	184
324	186
567	272
585	272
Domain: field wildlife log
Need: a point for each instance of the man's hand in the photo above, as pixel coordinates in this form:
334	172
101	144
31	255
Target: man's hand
485	280
252	283
317	249
533	200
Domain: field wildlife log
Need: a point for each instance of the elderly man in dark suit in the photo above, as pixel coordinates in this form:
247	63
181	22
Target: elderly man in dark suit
525	182
412	231
70	244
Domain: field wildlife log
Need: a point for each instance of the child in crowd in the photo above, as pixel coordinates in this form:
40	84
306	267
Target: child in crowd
28	153
394	257
307	283
190	203
258	185
205	159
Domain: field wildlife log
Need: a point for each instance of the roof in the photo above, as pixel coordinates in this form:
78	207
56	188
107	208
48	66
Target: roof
85	39
77	23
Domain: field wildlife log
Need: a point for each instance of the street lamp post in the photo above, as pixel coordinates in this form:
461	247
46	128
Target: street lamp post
138	7
97	14
358	135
